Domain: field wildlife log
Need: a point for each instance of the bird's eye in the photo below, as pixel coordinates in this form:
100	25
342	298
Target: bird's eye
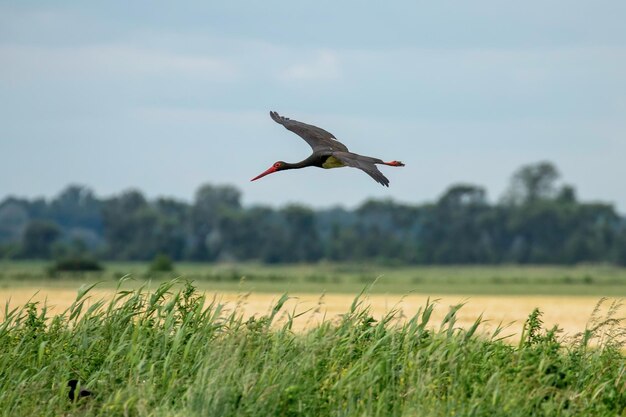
277	165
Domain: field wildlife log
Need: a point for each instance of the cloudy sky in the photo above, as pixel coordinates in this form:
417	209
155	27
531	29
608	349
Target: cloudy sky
165	96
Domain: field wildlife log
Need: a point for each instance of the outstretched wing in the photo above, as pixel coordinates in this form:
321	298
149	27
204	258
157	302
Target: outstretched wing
364	163
318	139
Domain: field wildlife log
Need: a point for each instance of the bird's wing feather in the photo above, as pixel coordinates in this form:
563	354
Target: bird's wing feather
364	163
319	139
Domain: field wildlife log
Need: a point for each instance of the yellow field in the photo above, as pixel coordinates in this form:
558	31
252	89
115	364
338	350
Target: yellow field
570	313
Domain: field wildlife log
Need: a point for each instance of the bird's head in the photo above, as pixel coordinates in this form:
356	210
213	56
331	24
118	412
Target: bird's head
276	166
72	383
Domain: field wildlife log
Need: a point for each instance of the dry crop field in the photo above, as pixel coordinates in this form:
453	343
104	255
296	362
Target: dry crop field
570	313
501	294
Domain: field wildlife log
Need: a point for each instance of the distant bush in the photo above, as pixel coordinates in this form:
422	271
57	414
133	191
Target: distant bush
75	265
9	250
161	263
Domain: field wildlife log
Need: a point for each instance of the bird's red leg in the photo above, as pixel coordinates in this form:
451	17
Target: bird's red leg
394	164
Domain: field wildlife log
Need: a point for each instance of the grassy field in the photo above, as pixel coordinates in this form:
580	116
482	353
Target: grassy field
232	345
587	280
171	352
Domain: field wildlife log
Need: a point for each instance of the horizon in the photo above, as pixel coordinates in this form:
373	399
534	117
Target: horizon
491	200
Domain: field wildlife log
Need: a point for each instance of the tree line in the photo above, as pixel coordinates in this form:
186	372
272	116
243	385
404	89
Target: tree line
538	220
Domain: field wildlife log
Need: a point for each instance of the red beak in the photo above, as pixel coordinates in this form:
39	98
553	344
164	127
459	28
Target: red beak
269	171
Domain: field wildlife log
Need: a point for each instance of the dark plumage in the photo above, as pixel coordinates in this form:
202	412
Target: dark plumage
73	384
328	152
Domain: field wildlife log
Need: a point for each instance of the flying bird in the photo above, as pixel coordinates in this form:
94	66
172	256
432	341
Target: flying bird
328	152
73	383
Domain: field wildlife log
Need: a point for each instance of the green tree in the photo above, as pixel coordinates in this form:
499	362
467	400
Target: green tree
301	234
210	205
455	230
460	196
77	207
13	220
531	183
38	238
170	236
129	224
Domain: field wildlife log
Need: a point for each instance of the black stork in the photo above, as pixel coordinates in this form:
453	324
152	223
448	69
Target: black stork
73	395
328	152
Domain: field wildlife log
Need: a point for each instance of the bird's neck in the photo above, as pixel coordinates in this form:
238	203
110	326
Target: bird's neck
295	165
310	161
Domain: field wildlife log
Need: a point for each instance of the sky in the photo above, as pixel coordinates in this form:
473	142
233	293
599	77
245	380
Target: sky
166	96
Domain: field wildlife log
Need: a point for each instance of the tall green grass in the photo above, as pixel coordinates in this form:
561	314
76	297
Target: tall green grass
170	352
